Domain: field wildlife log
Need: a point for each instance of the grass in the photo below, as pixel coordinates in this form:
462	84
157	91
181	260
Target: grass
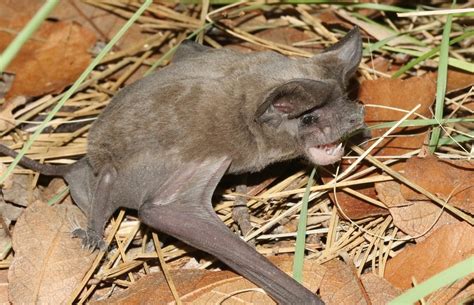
442	81
298	260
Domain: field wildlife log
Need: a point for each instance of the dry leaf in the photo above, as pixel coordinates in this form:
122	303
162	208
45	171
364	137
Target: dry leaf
380	291
403	95
420	218
48	262
447	246
4	286
352	206
207	287
458	80
340	285
453	180
52	59
389	193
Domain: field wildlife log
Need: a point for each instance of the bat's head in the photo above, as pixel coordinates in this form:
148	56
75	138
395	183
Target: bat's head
315	112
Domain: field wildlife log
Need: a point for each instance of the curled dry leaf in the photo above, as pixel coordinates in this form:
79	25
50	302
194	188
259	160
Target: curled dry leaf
452	181
48	262
447	246
207	287
51	60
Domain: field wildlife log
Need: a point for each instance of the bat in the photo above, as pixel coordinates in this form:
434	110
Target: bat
164	142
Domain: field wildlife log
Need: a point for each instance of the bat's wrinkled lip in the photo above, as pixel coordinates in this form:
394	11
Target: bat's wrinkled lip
326	154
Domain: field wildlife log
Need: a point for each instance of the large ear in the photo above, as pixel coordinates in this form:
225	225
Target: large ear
189	48
348	51
292	99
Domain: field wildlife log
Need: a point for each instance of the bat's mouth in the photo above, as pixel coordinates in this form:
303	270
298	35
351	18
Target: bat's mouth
326	154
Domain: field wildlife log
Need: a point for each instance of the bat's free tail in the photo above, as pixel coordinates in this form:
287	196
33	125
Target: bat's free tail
45	169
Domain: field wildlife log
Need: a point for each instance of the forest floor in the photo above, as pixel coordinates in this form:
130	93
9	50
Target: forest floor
397	211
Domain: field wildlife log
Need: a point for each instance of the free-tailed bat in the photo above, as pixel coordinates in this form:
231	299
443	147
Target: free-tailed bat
163	143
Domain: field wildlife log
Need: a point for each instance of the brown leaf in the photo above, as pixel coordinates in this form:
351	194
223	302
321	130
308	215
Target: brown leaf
4	286
458	80
355	208
379	290
52	59
420	218
389	193
48	262
445	178
447	246
340	285
207	287
400	94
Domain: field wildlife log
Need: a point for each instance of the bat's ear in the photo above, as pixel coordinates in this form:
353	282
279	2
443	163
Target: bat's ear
292	99
188	49
348	53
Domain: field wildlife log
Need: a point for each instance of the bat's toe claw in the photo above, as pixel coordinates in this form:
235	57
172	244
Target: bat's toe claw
90	240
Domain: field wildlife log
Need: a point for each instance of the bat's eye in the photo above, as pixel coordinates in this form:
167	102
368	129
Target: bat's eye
309	119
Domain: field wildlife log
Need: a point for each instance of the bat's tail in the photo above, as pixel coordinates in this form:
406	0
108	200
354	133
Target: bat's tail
45	169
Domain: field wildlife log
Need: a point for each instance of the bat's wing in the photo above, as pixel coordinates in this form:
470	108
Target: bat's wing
182	208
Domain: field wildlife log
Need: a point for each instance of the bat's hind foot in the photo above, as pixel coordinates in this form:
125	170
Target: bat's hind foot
90	239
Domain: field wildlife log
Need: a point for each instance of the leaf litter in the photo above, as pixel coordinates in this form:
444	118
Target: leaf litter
385	228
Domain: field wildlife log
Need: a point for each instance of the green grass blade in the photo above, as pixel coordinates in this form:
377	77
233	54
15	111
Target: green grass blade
301	234
460	138
454	62
74	87
436	282
429	54
420	122
442	80
14	47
